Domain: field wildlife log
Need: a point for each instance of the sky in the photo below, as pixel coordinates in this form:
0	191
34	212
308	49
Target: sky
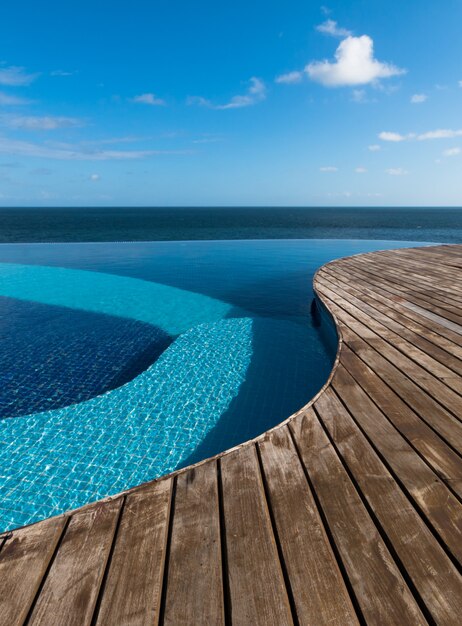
205	103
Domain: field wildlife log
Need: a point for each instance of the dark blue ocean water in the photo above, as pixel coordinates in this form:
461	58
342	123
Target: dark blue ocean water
160	224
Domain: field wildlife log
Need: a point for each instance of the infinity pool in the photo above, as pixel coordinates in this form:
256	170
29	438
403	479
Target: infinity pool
122	362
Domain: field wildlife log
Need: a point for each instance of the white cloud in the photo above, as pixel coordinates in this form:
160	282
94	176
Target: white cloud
396	171
256	92
388	136
450	152
71	152
95	177
330	27
360	170
460	83
149	98
15	76
440	134
328	168
418	98
290	78
354	65
8	100
47	122
374	147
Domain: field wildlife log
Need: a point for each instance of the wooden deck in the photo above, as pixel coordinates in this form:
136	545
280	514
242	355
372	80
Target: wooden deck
348	513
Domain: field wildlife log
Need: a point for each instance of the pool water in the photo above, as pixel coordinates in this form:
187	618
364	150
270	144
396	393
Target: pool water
122	362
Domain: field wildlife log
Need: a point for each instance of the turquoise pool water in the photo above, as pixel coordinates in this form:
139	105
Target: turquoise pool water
122	362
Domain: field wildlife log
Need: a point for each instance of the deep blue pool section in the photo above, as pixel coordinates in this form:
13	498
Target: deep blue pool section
52	356
121	362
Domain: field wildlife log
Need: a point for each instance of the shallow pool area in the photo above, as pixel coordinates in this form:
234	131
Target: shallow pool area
122	362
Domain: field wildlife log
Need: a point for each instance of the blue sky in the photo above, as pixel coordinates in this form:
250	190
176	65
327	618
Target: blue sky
166	102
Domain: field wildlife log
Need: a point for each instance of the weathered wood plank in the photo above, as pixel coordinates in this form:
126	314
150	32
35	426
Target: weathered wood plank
258	595
437	454
319	591
70	591
379	587
194	586
446	312
450	350
24	559
404	327
443	384
434	576
448	426
378	289
133	589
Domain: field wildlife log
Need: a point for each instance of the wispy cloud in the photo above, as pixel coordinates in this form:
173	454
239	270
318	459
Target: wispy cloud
450	152
113	140
256	92
441	133
208	139
8	100
330	27
290	78
61	73
328	168
396	171
75	152
148	98
15	76
360	170
360	97
418	98
47	122
390	136
95	177
374	147
354	65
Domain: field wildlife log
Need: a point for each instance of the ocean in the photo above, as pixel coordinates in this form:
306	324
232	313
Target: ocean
179	223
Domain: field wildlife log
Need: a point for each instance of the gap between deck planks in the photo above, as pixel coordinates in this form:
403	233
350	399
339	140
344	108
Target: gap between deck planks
350	512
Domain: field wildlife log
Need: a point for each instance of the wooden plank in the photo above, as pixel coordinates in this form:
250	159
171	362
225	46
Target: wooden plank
418	335
257	591
434	576
426	267
379	587
24	559
380	289
133	589
194	591
421	300
420	278
415	395
446	463
72	585
320	595
440	279
431	495
439	381
401	315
